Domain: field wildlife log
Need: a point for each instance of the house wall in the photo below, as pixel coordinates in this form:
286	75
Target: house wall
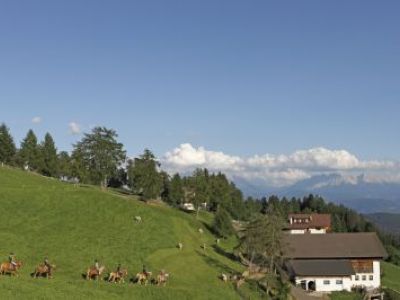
333	286
317	231
347	282
367	282
311	230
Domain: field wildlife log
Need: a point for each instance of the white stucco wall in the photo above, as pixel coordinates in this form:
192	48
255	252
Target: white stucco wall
333	285
297	231
317	231
347	282
368	283
312	231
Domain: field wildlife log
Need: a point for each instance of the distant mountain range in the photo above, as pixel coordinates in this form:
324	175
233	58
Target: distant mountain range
354	192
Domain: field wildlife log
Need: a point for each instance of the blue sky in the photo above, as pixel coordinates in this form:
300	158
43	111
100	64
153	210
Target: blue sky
242	77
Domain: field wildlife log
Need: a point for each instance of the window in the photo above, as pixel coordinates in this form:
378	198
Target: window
371	277
327	282
364	277
339	281
357	278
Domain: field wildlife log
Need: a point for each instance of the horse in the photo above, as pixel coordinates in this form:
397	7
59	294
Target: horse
143	277
162	278
118	277
93	273
43	271
9	268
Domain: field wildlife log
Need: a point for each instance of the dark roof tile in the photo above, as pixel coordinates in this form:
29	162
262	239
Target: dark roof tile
333	245
332	267
316	221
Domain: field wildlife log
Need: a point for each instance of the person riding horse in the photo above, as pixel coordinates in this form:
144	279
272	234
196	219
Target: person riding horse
144	271
12	261
119	270
47	265
97	266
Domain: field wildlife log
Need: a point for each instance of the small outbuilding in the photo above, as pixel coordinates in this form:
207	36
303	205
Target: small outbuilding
188	207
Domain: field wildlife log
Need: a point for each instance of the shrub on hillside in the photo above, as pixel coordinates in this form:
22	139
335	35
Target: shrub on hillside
223	223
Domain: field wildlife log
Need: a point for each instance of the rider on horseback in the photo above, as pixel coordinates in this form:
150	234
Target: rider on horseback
144	271
119	270
47	264
97	266
12	261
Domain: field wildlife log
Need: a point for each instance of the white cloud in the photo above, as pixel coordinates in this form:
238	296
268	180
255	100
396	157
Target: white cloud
188	156
74	128
279	170
37	120
314	159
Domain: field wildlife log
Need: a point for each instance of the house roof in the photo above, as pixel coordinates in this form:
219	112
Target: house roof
332	267
333	245
315	221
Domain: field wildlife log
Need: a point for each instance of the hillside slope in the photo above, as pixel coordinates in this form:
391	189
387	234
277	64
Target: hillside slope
388	222
74	225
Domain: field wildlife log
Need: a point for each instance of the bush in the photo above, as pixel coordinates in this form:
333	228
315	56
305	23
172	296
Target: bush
223	223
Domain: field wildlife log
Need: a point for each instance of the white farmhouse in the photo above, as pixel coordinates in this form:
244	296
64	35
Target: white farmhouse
334	261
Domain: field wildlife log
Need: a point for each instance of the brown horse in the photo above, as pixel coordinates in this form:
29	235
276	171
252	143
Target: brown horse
8	268
143	278
93	273
118	277
43	271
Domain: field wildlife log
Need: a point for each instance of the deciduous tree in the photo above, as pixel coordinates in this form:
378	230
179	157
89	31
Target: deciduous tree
99	155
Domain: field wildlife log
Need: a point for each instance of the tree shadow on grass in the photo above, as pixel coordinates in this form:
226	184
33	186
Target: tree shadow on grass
208	227
222	252
216	264
225	270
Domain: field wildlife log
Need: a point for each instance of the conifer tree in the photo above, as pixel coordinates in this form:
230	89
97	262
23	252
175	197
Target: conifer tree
64	165
144	176
49	155
176	194
7	145
29	155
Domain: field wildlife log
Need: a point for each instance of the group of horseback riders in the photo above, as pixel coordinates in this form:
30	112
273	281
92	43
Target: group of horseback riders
11	267
46	269
119	275
96	271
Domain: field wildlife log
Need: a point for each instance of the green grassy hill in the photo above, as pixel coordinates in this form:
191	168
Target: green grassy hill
391	276
74	225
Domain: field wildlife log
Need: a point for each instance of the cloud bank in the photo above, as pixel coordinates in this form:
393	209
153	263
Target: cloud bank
280	170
